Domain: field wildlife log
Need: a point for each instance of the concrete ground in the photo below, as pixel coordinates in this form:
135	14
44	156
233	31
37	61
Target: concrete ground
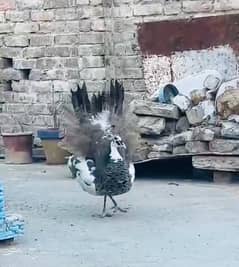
190	224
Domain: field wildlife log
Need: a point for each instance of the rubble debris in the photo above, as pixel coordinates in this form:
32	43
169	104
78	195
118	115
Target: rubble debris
201	116
151	125
202	134
182	138
228	103
224	146
195	115
177	150
233	118
230	130
198	96
218	163
156	155
212	82
182	102
196	147
198	81
140	154
182	125
204	111
170	127
163	148
143	107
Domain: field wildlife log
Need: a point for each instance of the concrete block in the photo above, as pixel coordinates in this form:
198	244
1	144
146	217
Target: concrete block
61	51
37	15
92	74
67	14
197	6
29	4
91	50
66	39
10	52
41	40
91	38
16	41
48	4
11	74
6	27
93	61
26	27
148	10
60	27
17	16
97	25
22	64
34	52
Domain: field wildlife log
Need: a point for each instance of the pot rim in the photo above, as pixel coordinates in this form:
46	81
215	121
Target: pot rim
17	134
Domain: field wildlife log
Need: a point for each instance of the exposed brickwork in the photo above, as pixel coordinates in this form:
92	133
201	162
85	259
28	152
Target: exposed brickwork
47	45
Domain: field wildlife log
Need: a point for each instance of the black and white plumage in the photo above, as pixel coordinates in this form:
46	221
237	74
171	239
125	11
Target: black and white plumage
102	139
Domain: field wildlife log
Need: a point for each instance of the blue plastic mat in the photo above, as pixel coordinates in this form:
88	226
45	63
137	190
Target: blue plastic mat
11	226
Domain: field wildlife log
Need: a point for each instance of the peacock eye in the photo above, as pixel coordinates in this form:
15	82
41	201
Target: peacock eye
118	143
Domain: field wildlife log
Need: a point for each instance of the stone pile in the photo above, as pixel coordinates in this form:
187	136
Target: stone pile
205	122
11	226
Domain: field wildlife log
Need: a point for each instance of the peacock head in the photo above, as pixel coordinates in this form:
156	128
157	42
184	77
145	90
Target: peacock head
118	142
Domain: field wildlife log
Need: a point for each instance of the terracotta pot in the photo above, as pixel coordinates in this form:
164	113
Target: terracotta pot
18	147
50	139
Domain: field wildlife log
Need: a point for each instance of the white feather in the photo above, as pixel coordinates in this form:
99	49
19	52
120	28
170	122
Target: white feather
102	119
132	172
114	153
85	178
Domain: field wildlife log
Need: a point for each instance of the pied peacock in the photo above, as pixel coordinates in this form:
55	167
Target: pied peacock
101	135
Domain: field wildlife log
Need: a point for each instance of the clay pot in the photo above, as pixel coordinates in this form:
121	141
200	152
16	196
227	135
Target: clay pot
54	154
18	147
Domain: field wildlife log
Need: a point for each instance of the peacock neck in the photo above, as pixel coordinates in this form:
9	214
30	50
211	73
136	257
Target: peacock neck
114	153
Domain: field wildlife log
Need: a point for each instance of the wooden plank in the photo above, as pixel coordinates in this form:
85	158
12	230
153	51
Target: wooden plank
217	163
176	156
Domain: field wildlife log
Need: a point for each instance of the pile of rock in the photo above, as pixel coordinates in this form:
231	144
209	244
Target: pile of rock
200	122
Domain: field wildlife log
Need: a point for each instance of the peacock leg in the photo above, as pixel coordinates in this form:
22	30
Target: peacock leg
116	208
104	213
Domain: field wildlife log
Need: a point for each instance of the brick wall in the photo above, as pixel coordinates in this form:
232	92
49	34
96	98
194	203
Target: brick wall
47	45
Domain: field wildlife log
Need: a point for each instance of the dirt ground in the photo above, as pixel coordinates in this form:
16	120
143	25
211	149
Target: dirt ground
168	225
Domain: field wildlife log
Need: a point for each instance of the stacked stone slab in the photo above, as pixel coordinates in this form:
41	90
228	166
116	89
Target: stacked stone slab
11	226
161	136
